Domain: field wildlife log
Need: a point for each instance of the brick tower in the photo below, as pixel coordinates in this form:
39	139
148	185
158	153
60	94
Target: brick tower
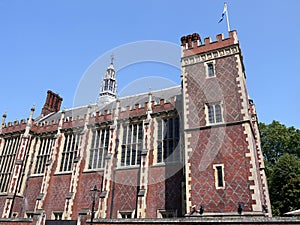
224	168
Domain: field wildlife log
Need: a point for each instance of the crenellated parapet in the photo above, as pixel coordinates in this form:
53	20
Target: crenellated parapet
193	46
13	127
99	117
45	127
70	122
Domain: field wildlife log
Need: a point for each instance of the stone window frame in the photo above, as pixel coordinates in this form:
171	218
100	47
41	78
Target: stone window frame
163	137
69	151
43	154
130	152
208	69
7	160
29	214
15	215
166	213
99	145
57	215
219	175
126	214
215	118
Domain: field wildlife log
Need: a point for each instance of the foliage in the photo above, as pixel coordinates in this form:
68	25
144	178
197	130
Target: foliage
284	184
281	149
277	139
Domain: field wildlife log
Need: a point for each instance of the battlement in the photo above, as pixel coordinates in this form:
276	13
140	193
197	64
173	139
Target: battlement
15	126
192	44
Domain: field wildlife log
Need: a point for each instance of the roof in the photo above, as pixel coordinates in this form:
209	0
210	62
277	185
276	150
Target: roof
128	101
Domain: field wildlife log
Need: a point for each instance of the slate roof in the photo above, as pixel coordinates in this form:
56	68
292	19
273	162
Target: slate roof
130	101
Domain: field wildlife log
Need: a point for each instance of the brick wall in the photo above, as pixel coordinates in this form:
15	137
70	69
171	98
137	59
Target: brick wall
2	202
56	194
125	193
32	192
230	151
228	143
164	190
83	198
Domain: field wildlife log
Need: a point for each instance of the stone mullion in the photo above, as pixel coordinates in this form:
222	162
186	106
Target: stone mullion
49	166
144	167
5	153
2	148
48	172
28	167
36	153
75	175
16	174
109	167
4	163
9	149
40	153
83	137
107	176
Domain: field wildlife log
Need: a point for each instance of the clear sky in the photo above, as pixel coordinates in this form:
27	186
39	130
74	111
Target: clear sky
52	44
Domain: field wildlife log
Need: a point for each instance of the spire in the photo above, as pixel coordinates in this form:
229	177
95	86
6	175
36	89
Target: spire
112	59
109	85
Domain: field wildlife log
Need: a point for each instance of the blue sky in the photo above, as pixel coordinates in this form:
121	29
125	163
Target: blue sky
52	44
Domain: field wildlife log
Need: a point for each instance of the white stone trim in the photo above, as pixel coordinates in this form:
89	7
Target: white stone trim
131	212
220	103
253	169
188	179
210	55
213	62
155	141
172	212
89	140
26	170
242	89
217	177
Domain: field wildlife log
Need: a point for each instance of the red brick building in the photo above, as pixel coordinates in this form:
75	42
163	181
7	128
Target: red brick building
189	150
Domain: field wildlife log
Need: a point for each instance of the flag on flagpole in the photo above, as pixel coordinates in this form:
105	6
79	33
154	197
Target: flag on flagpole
223	13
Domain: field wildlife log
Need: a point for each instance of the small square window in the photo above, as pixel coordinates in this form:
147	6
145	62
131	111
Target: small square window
210	70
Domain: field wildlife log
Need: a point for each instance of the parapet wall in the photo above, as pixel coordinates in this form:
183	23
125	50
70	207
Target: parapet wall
192	43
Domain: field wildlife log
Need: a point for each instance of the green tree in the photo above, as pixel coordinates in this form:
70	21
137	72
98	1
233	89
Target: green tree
284	184
281	150
277	139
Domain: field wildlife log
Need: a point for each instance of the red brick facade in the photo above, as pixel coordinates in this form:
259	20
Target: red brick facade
216	162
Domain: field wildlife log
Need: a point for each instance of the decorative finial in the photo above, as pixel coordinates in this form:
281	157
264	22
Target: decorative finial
112	59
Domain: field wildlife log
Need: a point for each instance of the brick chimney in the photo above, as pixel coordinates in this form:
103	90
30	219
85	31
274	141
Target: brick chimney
52	104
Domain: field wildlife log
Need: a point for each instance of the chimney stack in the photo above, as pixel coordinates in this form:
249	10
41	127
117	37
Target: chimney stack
52	103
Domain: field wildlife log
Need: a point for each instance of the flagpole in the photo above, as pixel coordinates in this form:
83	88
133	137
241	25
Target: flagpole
227	20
